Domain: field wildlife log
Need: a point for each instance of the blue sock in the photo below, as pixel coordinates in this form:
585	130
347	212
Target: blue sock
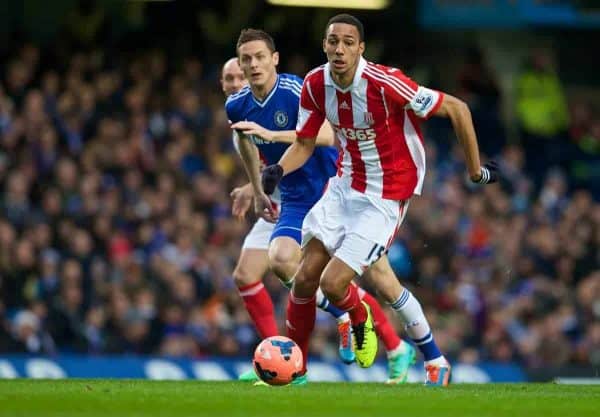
325	305
428	347
416	325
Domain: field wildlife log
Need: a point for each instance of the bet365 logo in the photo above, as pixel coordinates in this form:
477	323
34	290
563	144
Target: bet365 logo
357	134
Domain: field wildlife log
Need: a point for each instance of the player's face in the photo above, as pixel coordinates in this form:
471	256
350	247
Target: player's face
343	48
232	78
258	62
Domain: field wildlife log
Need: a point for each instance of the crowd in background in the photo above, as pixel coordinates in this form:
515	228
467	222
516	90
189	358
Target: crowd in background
116	234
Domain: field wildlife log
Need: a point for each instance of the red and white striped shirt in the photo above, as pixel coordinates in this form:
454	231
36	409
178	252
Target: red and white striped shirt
376	120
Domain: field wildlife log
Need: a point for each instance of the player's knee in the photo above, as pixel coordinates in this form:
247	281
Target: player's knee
243	277
283	263
305	284
332	287
307	277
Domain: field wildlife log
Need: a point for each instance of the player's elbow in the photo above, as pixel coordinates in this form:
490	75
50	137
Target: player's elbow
306	145
454	108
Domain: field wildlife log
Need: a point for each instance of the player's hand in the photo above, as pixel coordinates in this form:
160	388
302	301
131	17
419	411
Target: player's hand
264	208
489	173
252	128
271	176
242	199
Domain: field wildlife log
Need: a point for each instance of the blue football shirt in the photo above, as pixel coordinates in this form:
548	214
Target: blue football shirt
279	111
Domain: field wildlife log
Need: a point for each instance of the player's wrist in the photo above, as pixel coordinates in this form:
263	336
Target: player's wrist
476	177
270	135
488	174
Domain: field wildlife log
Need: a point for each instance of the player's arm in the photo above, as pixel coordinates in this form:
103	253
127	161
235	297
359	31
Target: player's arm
262	204
459	114
241	200
249	154
426	102
297	154
310	121
325	137
294	157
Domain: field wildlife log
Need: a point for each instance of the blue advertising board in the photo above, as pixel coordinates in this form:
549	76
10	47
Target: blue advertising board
161	368
489	14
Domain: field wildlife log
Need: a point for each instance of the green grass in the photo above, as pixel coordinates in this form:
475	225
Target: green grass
107	398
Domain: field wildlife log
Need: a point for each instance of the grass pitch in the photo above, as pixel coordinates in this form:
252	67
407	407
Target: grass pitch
107	398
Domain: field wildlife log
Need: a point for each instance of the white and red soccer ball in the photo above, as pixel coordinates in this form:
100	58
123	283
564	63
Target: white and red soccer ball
277	360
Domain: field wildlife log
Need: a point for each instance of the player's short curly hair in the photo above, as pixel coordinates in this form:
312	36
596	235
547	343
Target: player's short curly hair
249	35
349	19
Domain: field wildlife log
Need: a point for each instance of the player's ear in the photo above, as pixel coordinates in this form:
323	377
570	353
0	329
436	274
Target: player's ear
361	47
276	58
324	45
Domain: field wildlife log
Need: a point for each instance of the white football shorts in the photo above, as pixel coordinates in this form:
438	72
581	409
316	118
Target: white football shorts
259	236
354	227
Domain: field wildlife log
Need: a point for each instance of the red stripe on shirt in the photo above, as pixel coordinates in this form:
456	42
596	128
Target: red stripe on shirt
346	120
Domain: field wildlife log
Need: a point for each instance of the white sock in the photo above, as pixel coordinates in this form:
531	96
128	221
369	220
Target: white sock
398	350
416	325
343	318
322	302
410	311
437	361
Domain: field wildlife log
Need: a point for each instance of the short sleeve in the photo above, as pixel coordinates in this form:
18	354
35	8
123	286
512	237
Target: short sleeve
396	84
230	109
310	115
403	90
426	102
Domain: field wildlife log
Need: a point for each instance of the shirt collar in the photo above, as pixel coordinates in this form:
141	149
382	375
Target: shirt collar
362	64
263	103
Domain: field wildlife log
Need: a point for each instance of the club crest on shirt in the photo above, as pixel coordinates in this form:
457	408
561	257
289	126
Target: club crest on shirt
281	118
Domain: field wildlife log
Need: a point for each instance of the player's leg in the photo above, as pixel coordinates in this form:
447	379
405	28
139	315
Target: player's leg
248	274
301	310
252	266
336	283
284	258
411	313
384	329
344	328
284	255
378	222
400	354
369	226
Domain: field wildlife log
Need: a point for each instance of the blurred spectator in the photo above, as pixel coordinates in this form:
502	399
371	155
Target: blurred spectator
478	87
116	234
583	164
87	23
542	114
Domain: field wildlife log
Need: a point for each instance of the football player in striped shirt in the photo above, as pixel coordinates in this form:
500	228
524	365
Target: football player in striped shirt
375	111
282	96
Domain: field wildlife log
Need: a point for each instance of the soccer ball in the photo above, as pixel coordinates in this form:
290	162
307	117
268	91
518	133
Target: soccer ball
277	360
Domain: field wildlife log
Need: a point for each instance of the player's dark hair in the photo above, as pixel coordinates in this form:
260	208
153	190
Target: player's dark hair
350	20
249	35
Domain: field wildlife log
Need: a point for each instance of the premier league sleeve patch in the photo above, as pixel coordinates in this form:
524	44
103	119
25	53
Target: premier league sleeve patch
424	101
281	118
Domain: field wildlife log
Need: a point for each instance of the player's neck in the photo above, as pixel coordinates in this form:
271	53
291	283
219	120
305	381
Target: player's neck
346	79
262	91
